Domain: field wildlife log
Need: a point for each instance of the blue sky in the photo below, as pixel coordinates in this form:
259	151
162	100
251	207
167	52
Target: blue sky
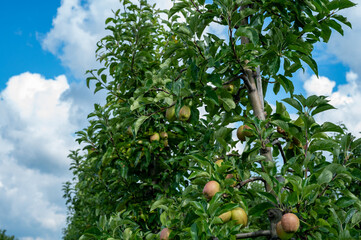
46	46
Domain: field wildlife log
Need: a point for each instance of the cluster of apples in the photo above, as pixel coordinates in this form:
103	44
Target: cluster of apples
238	214
183	115
156	137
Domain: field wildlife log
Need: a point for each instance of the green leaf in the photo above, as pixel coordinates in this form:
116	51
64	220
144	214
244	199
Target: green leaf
311	63
139	122
294	103
211	95
306	191
286	84
161	203
194	231
228	104
249	32
269	196
325	177
322	108
259	209
340	4
345	202
177	7
322	145
329	127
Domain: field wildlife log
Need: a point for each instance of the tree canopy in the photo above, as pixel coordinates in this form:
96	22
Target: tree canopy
160	155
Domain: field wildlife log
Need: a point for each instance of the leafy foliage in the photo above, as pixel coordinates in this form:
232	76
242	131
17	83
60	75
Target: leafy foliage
3	236
127	186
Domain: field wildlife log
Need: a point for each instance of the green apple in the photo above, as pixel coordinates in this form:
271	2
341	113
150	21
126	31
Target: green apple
242	133
229	88
164	135
154	137
226	216
184	113
219	162
281	232
129	131
210	189
170	113
240	216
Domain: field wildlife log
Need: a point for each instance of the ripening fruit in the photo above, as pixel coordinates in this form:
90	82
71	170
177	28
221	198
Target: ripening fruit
219	162
231	176
164	234
184	113
229	88
242	134
290	223
164	135
154	137
240	216
170	114
281	131
226	216
210	189
129	131
281	233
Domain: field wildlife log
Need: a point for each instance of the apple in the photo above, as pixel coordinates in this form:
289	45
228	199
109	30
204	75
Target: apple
154	137
129	131
242	134
240	216
184	113
219	162
229	88
164	234
170	113
281	131
226	216
165	143
281	232
164	135
210	189
296	142
290	223
231	176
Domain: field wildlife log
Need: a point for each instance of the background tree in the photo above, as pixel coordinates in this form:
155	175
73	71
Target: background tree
160	153
3	236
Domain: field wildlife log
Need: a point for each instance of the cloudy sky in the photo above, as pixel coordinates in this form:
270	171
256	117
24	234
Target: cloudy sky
45	49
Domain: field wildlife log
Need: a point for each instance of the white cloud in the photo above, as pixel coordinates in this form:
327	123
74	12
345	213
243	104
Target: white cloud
319	86
36	135
77	28
348	47
345	99
37	121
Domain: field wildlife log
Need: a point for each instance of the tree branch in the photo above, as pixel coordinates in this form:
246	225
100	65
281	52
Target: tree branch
241	184
279	146
259	233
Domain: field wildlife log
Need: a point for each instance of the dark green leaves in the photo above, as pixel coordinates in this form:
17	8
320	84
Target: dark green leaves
249	32
340	4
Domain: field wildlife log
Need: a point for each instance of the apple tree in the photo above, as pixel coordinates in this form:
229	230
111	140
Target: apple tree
4	236
160	159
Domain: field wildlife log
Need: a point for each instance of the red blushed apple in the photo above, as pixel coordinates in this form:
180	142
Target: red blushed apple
164	234
290	223
210	189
